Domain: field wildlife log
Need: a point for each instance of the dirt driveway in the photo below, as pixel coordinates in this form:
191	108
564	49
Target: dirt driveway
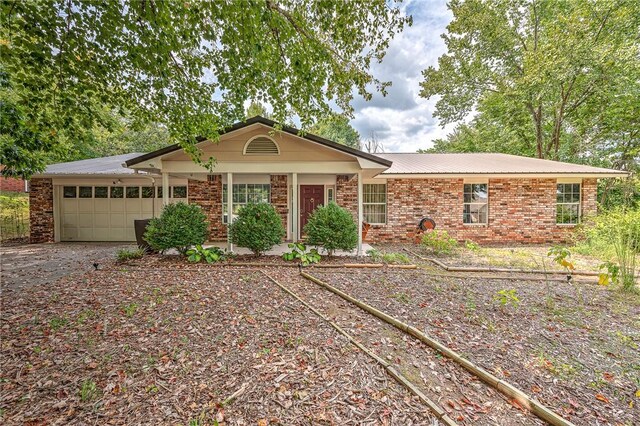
31	264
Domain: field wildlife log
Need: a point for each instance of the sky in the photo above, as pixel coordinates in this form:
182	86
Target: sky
402	120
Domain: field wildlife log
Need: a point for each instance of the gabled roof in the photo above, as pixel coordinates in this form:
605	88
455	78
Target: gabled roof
95	166
270	123
484	164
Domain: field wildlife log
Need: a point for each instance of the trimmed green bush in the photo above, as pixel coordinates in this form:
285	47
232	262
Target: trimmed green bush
439	241
258	227
180	226
333	228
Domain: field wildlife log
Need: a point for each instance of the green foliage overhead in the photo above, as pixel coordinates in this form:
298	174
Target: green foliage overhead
180	226
551	79
333	228
258	227
189	65
336	128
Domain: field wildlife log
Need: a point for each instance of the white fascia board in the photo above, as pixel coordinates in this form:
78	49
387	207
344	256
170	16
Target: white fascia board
321	167
501	176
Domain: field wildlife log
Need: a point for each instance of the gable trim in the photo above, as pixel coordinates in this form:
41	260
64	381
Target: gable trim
270	123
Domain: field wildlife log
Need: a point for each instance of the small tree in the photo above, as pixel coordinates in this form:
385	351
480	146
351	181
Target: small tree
179	226
333	228
258	227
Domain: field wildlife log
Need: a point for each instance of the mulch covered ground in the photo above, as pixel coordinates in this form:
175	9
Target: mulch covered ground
573	347
135	345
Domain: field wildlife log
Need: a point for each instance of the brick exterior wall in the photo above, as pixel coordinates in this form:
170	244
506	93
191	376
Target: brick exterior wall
41	211
347	194
520	210
280	197
11	184
208	195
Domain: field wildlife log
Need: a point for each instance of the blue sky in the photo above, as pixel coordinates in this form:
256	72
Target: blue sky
402	120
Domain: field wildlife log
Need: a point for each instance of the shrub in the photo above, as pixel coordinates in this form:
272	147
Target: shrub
14	215
439	241
179	226
333	228
258	227
210	255
299	251
125	255
472	245
395	258
615	235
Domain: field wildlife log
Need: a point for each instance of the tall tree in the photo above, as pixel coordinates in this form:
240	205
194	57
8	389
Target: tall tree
256	108
336	127
187	65
537	71
372	144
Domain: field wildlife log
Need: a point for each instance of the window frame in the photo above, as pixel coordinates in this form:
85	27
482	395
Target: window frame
471	203
246	193
571	203
377	203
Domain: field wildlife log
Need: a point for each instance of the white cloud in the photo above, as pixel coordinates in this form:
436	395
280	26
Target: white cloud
402	120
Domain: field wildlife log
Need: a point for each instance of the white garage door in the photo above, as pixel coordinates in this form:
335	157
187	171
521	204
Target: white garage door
106	213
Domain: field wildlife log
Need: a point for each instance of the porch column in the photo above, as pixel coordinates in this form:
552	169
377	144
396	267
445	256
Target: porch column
295	209
360	214
229	208
165	188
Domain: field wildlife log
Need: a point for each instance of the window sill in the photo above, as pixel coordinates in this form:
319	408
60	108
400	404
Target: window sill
476	224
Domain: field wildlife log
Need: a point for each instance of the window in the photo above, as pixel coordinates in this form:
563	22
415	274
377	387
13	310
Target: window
568	203
69	192
374	203
331	195
147	192
179	192
475	203
159	192
117	192
244	193
85	192
101	192
133	192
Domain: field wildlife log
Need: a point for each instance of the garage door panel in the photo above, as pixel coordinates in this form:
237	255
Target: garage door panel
116	205
117	220
85	206
85	234
85	220
101	219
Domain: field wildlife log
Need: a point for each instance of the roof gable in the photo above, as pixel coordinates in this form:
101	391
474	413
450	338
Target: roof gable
271	124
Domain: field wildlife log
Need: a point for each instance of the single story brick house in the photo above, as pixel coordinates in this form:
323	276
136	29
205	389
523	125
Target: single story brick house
487	198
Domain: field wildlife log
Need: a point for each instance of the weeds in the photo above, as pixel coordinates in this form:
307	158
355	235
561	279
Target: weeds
88	391
505	297
130	309
125	255
299	251
57	323
439	242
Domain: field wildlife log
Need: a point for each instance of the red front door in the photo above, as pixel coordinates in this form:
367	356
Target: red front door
311	196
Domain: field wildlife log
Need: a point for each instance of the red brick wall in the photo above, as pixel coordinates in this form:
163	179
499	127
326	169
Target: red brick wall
41	211
347	194
208	195
280	197
520	210
11	184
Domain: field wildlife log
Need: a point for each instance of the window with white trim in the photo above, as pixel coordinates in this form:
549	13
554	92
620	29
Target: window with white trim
476	203
374	203
568	203
245	193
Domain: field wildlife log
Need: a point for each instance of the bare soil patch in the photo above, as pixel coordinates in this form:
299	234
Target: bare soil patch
134	345
573	347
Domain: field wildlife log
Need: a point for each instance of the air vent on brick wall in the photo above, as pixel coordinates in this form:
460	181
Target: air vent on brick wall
261	145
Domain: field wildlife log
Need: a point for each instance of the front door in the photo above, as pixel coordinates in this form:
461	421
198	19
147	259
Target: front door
311	196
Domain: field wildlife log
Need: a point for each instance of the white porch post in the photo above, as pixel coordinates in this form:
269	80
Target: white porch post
360	214
229	208
295	209
165	189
